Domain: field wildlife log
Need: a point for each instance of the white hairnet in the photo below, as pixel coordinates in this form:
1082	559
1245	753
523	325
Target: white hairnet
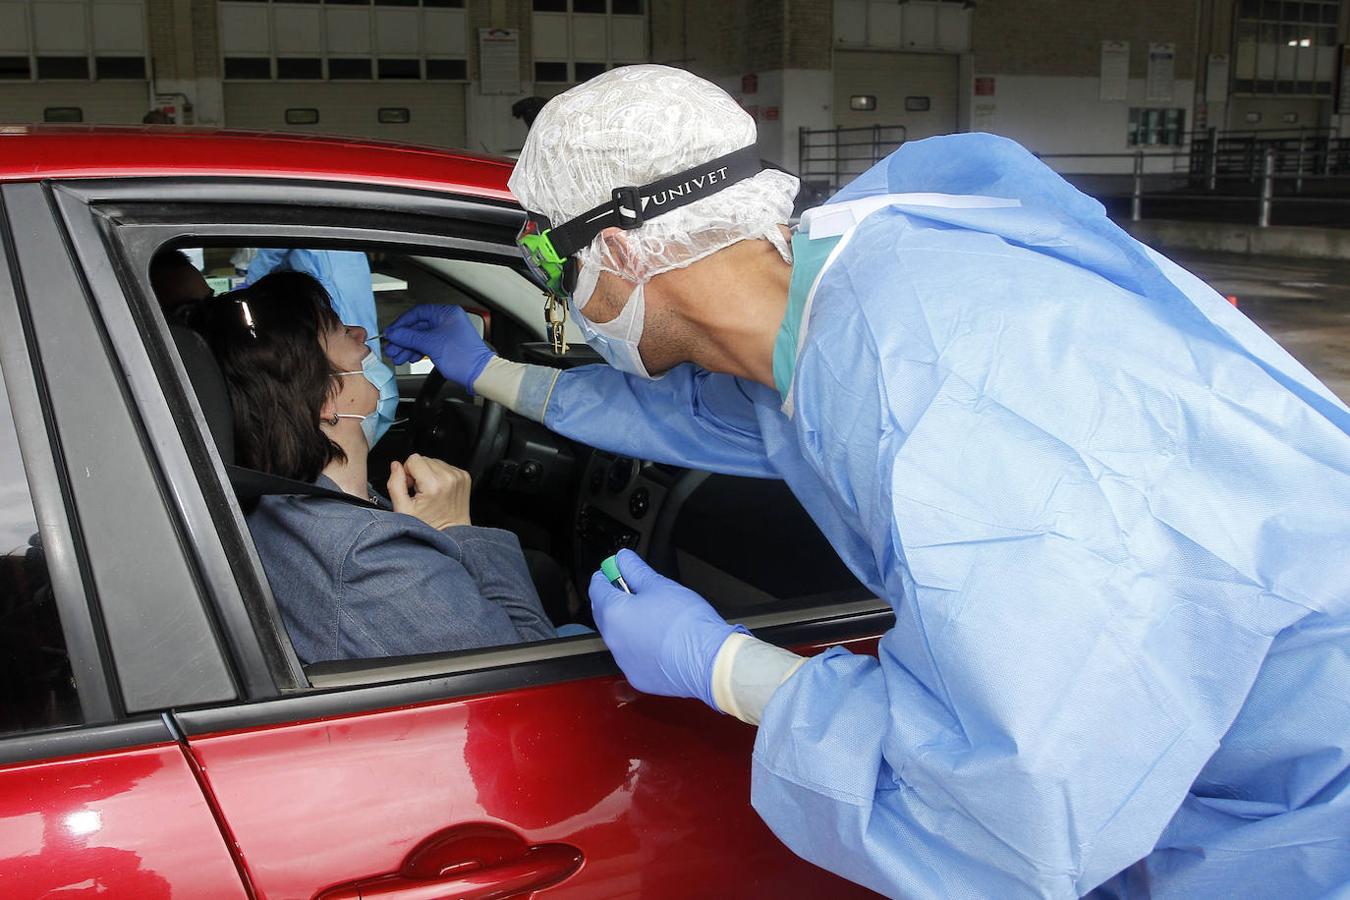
633	126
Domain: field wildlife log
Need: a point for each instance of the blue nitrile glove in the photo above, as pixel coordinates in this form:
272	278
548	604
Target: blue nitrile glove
445	335
663	635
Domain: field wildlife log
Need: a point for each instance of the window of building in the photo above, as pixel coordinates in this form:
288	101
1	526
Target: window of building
63	114
586	71
37	686
108	67
1155	127
349	69
246	67
574	40
63	67
15	67
1285	47
349	39
913	25
299	67
447	70
593	7
550	71
400	68
73	40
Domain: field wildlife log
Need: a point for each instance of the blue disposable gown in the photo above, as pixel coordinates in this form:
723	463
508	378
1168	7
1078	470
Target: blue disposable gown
1113	519
344	274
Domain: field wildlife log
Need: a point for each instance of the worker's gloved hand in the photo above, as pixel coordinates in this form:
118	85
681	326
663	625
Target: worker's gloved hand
663	635
445	335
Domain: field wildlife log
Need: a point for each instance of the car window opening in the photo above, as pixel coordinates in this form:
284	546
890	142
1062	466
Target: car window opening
359	585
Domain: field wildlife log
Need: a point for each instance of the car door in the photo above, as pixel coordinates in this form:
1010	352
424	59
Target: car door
487	773
98	794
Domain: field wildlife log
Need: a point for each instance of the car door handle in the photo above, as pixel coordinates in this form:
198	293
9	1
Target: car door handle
478	861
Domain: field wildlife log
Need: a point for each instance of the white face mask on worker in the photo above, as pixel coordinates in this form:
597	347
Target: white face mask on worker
615	340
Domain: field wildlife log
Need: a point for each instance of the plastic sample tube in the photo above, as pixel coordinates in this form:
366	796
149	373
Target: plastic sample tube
610	569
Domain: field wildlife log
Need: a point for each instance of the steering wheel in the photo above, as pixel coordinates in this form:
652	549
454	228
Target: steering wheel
443	421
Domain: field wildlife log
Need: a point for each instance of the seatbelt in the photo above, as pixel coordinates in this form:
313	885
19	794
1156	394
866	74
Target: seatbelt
250	484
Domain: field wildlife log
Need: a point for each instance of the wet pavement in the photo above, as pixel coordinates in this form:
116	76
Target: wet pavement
1303	304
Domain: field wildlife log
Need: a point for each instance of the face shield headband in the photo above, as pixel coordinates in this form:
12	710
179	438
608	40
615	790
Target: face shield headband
550	252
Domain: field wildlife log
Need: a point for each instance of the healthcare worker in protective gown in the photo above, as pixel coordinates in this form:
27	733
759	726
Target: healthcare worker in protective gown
1111	514
344	274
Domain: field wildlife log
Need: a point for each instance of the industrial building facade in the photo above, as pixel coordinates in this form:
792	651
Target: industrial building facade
1059	76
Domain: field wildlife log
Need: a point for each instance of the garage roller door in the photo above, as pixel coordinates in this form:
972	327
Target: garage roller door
435	110
913	95
98	102
924	78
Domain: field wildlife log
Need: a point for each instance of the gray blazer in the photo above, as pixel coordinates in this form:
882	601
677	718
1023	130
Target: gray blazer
355	583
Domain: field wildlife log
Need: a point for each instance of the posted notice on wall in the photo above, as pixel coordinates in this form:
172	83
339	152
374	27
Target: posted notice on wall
1159	82
499	61
1115	70
984	117
1216	80
1343	84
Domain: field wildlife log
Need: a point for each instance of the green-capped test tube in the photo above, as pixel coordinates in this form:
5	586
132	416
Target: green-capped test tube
610	569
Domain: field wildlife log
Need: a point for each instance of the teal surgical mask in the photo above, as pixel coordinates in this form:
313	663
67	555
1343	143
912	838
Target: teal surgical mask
381	377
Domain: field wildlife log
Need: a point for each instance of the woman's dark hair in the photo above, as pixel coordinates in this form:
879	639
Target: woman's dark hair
266	339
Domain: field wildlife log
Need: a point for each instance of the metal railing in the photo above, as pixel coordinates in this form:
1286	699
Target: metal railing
1296	169
832	157
1279	176
1298	151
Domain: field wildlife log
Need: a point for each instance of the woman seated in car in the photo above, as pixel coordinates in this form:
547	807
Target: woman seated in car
309	399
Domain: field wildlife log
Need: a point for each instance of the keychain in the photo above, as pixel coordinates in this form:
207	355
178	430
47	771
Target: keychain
555	315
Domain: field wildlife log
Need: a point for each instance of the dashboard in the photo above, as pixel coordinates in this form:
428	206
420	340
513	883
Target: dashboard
743	543
619	504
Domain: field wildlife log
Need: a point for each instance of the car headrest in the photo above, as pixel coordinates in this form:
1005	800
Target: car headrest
208	382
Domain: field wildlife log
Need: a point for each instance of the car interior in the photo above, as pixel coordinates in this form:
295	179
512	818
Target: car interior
746	544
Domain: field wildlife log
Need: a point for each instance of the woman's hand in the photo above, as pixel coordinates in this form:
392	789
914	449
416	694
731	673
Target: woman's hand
432	490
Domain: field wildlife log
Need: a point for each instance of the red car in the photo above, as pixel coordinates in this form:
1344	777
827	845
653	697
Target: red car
161	738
